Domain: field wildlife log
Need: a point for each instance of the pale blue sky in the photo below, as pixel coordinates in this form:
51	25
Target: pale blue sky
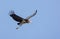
45	25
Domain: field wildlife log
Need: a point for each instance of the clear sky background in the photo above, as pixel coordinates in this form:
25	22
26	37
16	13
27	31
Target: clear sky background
45	25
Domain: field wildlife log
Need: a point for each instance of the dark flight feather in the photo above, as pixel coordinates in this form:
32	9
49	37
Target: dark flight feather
15	17
31	15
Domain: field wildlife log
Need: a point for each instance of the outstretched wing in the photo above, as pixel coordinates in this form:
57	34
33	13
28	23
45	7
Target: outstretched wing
32	15
15	17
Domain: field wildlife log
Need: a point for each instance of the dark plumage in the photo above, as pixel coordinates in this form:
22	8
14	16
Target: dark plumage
15	17
19	19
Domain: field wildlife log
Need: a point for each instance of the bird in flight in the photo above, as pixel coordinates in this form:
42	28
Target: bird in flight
19	19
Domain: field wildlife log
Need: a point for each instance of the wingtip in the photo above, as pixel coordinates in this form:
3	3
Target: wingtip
11	12
36	10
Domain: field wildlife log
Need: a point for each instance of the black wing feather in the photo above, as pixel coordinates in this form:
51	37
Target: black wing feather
15	17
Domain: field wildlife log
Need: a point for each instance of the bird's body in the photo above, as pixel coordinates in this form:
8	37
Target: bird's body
21	20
